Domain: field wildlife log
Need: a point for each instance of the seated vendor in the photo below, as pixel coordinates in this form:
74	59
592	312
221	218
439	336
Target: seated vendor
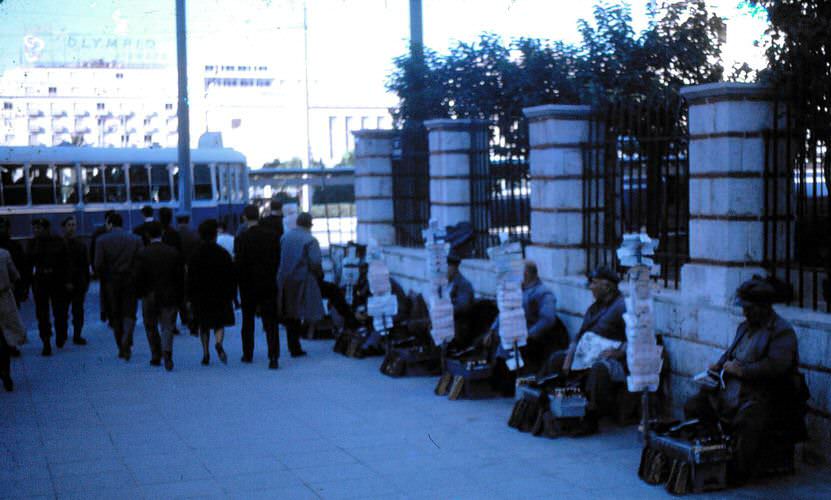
604	319
545	332
759	373
461	295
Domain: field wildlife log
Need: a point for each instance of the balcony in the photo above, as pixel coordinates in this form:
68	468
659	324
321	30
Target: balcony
36	129
59	113
36	113
60	130
81	114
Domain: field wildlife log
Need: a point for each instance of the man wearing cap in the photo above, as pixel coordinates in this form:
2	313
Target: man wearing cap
50	283
461	296
298	294
141	229
760	373
603	318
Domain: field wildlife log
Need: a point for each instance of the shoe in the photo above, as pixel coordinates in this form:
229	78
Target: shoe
59	342
8	384
273	364
155	362
121	354
47	350
176	331
206	360
246	359
127	354
79	341
299	354
14	351
168	361
221	353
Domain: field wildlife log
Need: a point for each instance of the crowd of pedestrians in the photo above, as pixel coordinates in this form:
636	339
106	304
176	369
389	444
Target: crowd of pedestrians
198	276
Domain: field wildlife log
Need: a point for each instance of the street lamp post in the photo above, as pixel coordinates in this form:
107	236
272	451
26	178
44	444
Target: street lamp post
183	113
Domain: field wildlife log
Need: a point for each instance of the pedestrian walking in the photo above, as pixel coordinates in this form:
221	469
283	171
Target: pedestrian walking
50	283
97	233
159	281
12	331
274	219
210	289
78	277
257	257
18	256
189	241
224	238
115	257
299	297
141	229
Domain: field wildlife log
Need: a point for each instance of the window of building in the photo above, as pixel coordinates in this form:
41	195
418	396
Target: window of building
101	122
68	184
146	122
7	105
160	183
53	90
139	183
347	127
115	186
209	68
12	185
99	105
379	122
236	122
246	82
332	137
202	185
42	184
119	76
92	182
168	106
148	138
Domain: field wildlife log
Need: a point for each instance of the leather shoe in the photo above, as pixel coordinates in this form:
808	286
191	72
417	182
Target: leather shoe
168	361
47	350
206	360
79	341
246	359
155	362
14	351
220	352
59	342
8	384
273	364
299	354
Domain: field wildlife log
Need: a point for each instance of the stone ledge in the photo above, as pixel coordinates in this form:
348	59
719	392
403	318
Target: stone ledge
555	111
713	92
453	125
375	134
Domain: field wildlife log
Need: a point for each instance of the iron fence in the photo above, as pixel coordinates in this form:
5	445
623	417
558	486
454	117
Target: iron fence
796	213
636	173
411	185
500	190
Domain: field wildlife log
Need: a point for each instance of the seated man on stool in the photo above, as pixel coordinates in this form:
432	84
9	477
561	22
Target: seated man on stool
604	318
760	376
461	295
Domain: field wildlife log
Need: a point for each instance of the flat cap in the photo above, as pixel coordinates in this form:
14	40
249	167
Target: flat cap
605	273
763	291
304	219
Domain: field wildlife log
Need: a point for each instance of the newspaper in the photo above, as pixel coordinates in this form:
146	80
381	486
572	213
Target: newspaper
589	348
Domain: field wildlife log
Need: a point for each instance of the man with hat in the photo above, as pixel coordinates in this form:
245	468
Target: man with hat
604	318
461	295
760	374
51	282
299	300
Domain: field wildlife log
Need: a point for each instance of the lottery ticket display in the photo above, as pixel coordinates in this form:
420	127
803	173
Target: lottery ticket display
507	261
437	294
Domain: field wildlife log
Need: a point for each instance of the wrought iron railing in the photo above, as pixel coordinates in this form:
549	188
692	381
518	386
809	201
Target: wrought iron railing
636	176
411	185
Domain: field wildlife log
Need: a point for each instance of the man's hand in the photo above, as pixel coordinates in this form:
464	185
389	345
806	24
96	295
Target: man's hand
733	367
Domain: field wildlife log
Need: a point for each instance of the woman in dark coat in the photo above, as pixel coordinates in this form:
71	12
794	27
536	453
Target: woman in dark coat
210	285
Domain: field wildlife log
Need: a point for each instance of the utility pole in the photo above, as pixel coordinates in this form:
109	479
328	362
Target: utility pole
183	113
306	201
416	30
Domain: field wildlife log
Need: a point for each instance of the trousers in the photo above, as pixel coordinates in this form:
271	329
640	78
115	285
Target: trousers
266	303
75	302
294	329
122	303
159	323
48	294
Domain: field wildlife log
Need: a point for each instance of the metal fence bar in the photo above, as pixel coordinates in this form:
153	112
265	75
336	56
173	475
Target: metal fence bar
411	185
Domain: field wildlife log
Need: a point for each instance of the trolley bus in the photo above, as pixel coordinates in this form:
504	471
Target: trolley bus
54	182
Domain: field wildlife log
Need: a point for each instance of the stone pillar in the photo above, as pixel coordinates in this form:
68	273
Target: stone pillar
453	144
373	186
556	135
726	187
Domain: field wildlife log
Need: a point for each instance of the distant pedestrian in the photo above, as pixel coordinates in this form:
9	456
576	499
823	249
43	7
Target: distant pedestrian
210	288
274	219
18	255
141	229
12	331
169	234
159	282
78	276
257	257
299	297
50	262
115	257
189	242
97	233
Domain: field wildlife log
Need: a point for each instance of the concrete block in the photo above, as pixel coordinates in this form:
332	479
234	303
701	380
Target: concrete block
456	164
743	116
717	326
448	216
559	131
382	233
557	262
373	146
481	275
364	166
572	298
732	241
374	210
727	154
443	140
556	194
819	385
688	358
814	346
561	228
715	285
450	190
373	186
726	196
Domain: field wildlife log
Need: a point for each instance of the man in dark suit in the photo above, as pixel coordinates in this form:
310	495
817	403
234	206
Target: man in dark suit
50	263
100	231
169	234
141	229
257	252
159	281
79	278
115	256
274	220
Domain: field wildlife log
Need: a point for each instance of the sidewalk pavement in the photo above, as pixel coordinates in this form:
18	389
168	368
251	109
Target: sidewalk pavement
84	424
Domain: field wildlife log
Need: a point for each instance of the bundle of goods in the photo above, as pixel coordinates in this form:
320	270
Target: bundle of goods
550	407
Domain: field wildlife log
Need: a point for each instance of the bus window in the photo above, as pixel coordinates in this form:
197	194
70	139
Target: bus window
175	169
68	183
139	183
114	184
42	184
221	174
202	189
237	183
92	182
159	183
12	185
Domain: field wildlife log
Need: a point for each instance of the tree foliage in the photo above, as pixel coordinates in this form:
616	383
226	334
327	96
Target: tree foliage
493	80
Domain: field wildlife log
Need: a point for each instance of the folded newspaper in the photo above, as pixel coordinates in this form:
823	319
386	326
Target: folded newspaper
589	348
